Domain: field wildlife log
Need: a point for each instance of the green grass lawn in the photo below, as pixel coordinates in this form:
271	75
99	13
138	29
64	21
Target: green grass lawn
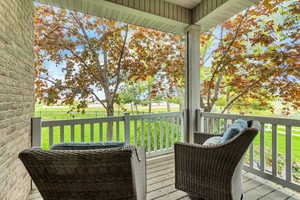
50	113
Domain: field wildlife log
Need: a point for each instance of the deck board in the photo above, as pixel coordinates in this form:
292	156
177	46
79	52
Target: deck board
161	179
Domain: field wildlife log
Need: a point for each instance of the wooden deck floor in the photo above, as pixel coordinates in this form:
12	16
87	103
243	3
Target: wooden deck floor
160	184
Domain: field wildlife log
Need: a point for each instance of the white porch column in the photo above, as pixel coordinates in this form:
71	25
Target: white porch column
192	80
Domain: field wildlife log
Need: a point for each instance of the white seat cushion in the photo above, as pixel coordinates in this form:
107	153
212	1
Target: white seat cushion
213	141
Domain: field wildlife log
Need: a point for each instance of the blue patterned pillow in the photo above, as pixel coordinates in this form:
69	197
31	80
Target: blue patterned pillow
234	129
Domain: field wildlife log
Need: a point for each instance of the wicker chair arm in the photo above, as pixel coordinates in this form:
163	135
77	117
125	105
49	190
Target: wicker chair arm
200	138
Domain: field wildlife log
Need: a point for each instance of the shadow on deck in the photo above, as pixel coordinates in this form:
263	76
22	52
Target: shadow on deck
160	184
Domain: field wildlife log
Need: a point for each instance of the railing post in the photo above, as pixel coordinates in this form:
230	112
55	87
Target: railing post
36	131
192	79
127	128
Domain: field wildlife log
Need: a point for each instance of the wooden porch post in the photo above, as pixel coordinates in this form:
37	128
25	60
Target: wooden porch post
192	81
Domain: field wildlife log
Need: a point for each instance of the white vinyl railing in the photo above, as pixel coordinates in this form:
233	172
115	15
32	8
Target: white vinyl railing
156	132
274	154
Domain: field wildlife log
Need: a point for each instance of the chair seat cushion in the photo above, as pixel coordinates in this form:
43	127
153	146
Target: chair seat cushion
213	141
87	146
234	129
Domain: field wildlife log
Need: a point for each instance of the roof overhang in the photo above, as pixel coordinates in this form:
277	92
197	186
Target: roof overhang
164	15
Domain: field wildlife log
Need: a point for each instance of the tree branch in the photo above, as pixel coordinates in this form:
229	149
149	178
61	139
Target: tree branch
241	94
221	65
98	99
119	63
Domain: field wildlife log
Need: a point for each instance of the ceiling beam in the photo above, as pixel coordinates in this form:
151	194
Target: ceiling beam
210	13
205	8
160	8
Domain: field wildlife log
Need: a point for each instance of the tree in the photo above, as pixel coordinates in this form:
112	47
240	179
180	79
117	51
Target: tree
95	56
253	56
132	93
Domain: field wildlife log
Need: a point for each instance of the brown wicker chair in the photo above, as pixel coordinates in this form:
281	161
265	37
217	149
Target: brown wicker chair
96	174
212	172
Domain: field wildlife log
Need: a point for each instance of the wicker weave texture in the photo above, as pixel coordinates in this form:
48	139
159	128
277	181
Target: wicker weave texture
205	172
106	174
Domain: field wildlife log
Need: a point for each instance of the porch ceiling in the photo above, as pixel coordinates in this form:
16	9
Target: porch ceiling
166	15
186	3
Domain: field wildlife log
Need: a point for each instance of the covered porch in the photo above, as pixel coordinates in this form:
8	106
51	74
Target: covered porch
261	179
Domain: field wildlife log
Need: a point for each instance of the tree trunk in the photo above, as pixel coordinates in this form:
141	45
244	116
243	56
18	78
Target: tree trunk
131	105
150	106
207	108
110	125
168	107
180	107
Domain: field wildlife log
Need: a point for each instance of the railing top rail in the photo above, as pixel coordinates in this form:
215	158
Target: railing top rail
262	119
80	121
155	115
106	119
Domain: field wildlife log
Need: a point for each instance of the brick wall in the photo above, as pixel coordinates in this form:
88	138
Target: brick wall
16	95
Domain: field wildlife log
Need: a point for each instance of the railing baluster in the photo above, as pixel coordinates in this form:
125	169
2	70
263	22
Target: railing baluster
143	133
118	130
178	128
82	126
161	133
173	129
101	131
62	133
225	124
181	131
155	136
198	120
274	149
205	125
135	132
127	128
212	125
262	148
72	133
288	151
92	132
167	133
218	124
36	131
251	155
50	136
149	136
